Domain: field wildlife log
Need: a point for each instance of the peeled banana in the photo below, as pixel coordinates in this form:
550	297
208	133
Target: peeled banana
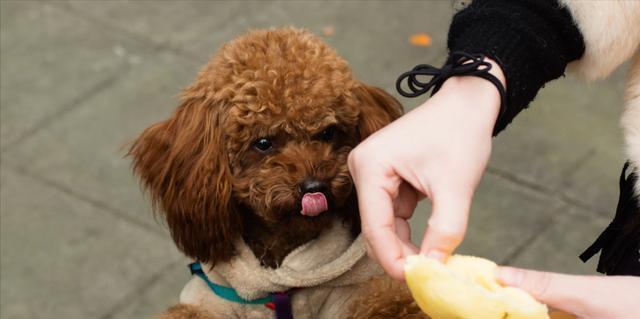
465	287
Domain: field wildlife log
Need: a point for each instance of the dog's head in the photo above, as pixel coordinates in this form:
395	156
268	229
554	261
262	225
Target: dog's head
266	127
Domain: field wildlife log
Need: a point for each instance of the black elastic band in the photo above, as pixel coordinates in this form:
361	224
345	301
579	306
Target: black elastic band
460	67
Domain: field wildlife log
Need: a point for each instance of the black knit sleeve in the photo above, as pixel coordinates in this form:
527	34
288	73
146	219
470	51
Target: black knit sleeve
532	41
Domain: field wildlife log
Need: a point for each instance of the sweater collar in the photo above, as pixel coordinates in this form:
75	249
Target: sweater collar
324	260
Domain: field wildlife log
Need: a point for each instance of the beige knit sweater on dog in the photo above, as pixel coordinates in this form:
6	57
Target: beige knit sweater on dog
327	270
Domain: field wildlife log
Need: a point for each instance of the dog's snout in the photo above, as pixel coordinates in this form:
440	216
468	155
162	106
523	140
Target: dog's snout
312	186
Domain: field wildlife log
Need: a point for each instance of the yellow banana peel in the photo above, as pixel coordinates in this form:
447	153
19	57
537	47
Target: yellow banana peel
465	287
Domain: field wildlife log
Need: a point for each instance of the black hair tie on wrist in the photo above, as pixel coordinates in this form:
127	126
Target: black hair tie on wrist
460	67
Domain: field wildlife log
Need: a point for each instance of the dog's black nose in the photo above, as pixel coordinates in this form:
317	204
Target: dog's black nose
312	186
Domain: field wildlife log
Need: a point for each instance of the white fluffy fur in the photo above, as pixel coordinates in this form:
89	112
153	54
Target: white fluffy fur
611	31
631	118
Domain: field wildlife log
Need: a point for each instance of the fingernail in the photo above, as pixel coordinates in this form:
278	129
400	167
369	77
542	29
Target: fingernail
437	255
509	276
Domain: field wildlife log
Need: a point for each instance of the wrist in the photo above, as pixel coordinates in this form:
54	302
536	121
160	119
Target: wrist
479	85
479	97
470	100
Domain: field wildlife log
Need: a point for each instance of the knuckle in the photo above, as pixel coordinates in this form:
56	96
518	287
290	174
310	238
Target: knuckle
448	233
355	158
538	283
352	158
367	232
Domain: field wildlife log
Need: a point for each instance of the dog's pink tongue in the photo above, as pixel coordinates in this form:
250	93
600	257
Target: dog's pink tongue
313	204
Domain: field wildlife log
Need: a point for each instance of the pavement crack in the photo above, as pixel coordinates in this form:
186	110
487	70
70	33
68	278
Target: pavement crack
72	105
541	189
542	229
151	43
93	202
577	164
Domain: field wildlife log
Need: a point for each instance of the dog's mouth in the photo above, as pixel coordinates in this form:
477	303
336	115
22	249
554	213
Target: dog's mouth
313	204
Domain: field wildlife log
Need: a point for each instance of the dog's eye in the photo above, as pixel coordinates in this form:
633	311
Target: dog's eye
262	145
327	134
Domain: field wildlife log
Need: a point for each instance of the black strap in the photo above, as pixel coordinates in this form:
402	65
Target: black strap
460	67
613	242
282	302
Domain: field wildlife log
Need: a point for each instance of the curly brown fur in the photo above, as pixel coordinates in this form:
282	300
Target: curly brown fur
204	173
185	312
384	298
271	249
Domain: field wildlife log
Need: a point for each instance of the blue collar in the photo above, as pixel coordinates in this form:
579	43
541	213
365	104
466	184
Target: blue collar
223	292
279	301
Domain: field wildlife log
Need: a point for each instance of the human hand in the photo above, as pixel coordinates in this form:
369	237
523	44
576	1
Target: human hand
587	297
438	150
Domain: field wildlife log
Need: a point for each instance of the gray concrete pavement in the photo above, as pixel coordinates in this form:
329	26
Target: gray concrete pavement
80	79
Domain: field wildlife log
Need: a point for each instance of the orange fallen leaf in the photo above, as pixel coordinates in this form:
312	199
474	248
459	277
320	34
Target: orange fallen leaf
328	30
420	40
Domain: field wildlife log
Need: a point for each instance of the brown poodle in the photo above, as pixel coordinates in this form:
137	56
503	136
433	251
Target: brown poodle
251	175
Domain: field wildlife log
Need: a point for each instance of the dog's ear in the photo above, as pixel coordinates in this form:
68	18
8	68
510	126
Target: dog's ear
183	166
377	109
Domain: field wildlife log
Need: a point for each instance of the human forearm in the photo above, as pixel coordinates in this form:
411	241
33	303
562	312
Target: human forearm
532	40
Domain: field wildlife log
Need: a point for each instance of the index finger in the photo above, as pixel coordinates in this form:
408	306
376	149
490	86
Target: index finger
447	225
378	224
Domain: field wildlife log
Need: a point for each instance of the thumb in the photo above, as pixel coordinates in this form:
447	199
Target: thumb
564	292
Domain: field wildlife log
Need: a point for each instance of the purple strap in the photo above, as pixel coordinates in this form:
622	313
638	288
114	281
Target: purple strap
282	301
